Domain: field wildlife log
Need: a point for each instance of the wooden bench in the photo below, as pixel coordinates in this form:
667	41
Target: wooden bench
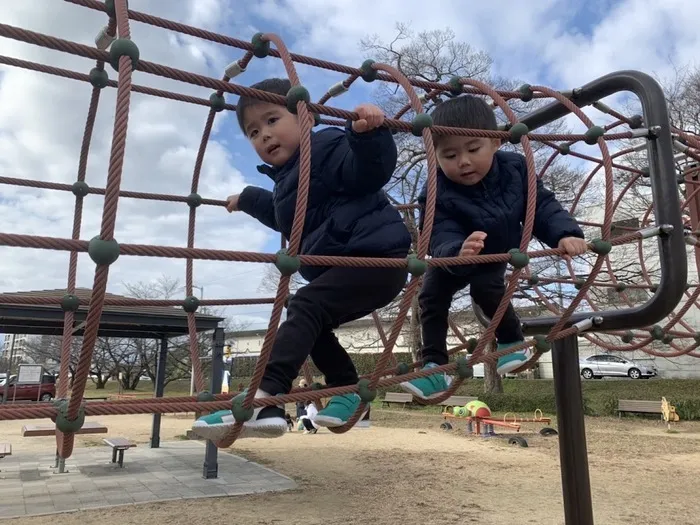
5	450
89	427
638	406
397	397
457	401
119	446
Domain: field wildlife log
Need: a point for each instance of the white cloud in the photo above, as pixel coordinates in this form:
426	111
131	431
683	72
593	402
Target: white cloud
42	119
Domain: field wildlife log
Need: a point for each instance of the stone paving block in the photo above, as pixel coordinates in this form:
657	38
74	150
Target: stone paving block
173	472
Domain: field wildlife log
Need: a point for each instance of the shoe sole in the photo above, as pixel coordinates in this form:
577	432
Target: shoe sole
331	422
272	428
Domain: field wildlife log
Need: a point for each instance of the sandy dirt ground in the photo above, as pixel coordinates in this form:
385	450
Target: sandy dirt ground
405	470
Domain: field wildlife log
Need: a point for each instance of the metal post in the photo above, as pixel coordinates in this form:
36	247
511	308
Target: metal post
9	370
211	466
573	453
160	389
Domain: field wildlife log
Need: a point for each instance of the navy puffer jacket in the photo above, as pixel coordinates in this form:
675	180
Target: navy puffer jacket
348	213
496	206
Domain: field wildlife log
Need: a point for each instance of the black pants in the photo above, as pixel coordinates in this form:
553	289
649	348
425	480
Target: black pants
308	425
486	287
338	296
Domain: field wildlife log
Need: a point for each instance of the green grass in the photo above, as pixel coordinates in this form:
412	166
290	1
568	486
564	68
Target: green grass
522	396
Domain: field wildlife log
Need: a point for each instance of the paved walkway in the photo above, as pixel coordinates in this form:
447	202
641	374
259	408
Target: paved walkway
29	486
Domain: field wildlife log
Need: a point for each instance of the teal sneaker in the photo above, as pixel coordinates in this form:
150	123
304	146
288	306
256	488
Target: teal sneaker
339	410
267	422
514	360
428	387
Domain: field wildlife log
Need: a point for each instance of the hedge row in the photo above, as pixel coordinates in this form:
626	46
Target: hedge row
365	364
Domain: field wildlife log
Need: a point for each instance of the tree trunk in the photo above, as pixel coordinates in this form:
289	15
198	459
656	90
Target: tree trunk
492	381
101	381
415	336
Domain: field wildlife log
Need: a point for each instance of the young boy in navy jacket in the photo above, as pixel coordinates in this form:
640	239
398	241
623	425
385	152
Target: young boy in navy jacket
480	207
348	214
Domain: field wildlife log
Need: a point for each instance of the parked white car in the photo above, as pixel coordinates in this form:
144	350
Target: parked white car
602	365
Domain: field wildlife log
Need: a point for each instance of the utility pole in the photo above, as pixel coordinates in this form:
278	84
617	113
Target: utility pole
9	369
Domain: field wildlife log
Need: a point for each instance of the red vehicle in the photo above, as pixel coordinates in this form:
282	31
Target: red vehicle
45	391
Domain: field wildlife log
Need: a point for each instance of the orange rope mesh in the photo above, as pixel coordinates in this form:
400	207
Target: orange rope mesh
387	372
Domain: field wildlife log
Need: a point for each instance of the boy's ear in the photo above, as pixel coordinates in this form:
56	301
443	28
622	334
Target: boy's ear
496	143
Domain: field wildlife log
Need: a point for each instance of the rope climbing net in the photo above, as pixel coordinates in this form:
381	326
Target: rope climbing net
115	48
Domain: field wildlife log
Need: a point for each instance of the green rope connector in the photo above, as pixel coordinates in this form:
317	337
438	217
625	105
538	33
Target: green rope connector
240	413
70	303
367	394
667	339
261	48
657	333
218	102
403	369
564	149
646	172
123	47
317	119
103	252
653	288
471	344
628	337
688	286
295	95
518	259
367	72
80	188
194	200
526	93
420	122
456	88
416	266
578	283
286	264
464	370
601	247
110	8
99	78
620	287
541	343
517	132
190	304
316	386
65	425
205	396
696	337
593	134
533	279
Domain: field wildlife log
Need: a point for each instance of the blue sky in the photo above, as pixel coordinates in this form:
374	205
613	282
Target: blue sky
41	122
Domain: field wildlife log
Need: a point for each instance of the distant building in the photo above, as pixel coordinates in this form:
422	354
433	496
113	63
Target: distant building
20	348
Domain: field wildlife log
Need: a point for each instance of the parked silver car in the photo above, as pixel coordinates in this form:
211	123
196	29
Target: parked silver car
601	365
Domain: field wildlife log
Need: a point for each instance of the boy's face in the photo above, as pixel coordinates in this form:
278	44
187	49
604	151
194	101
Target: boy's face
466	160
273	131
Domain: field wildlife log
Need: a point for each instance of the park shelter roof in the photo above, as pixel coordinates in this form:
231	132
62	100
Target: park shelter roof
116	321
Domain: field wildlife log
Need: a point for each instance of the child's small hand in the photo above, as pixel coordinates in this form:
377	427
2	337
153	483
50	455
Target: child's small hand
371	117
473	244
232	203
573	246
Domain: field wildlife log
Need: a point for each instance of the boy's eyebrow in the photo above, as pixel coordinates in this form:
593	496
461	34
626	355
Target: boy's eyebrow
263	116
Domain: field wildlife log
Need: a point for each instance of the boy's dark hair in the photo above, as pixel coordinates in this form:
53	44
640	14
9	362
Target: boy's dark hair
464	111
278	86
